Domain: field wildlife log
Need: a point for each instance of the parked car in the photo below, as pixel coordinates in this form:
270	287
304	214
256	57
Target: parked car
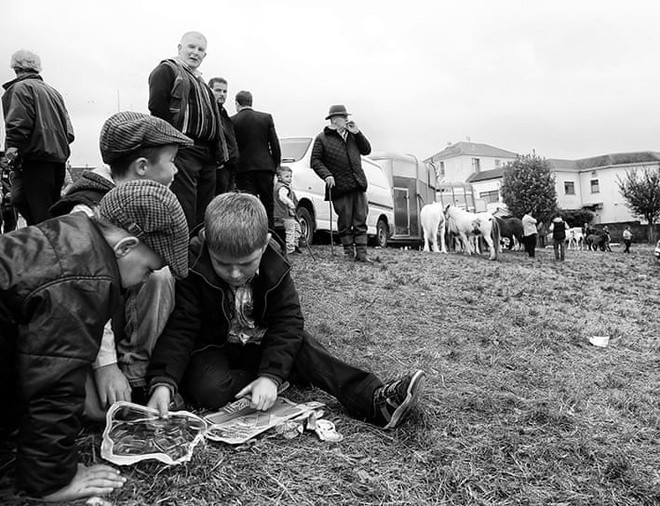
314	211
656	251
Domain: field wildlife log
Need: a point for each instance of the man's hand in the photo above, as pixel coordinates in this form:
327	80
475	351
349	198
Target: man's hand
160	400
263	393
98	479
330	182
352	127
112	385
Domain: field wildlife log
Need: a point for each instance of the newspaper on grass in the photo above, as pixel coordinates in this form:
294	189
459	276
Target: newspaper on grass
134	433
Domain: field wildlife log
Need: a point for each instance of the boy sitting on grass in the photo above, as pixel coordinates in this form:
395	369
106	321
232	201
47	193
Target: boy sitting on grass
237	328
60	282
136	146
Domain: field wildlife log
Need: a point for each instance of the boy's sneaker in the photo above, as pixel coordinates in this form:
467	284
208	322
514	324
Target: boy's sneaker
394	400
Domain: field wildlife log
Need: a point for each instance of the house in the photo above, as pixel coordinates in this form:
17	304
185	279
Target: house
475	163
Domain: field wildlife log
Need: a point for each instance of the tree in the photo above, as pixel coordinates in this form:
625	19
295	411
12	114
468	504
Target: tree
642	194
528	185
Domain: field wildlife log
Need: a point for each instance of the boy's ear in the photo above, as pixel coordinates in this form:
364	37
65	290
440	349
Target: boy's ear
139	166
125	246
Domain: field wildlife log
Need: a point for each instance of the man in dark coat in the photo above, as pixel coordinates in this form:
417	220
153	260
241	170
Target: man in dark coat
38	134
259	152
336	159
225	179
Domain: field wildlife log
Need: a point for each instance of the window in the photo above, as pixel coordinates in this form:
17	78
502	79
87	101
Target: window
491	196
476	165
595	188
569	188
498	163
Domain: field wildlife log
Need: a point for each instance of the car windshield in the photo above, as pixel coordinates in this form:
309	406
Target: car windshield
294	148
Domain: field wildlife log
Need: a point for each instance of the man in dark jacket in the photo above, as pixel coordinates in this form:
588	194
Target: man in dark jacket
38	134
179	95
60	281
237	328
336	159
259	152
226	174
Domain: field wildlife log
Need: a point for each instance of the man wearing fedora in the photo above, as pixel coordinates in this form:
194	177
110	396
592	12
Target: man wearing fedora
336	159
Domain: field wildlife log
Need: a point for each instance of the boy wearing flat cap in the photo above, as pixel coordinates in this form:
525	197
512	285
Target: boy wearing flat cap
136	146
60	282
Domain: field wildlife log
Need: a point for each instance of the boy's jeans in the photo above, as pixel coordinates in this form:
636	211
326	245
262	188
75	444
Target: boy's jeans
291	233
216	374
147	312
559	247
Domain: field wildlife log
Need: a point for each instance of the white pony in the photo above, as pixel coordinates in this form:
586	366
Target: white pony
433	223
466	225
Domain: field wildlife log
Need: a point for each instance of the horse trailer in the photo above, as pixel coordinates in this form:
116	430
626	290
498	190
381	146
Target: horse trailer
413	186
314	211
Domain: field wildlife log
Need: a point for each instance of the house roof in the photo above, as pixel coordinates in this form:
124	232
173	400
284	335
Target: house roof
604	161
485	175
471	149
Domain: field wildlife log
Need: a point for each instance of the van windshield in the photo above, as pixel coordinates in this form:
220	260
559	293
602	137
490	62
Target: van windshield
294	148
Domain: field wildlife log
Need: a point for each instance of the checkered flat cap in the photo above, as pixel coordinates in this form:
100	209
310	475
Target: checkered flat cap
150	211
127	131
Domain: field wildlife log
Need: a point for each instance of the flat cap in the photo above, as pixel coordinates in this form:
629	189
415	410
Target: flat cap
127	131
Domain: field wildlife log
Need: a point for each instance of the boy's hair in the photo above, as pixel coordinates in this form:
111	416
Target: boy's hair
244	98
236	224
283	169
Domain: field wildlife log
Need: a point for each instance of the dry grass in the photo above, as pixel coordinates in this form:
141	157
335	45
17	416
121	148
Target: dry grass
518	407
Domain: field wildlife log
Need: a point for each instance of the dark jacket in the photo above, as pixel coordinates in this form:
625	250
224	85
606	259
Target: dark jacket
559	230
36	120
230	137
88	190
202	312
258	145
331	156
59	285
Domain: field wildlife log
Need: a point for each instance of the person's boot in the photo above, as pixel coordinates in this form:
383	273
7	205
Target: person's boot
361	250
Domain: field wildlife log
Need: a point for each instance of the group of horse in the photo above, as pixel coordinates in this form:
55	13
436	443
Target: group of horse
467	230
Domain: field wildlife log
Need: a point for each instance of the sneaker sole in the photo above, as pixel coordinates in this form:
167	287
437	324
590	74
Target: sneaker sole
411	398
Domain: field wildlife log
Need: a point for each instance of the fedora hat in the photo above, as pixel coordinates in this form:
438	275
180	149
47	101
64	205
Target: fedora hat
337	110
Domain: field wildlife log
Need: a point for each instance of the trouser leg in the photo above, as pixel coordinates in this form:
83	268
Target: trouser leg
147	312
290	235
344	208
265	187
184	185
37	187
216	374
360	211
350	385
205	189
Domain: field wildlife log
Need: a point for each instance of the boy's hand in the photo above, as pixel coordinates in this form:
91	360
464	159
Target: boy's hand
111	385
263	393
98	479
160	400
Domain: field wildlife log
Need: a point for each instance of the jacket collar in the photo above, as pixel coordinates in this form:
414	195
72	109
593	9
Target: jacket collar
24	77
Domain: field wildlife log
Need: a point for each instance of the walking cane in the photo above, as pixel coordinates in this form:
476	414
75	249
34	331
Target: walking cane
304	239
332	242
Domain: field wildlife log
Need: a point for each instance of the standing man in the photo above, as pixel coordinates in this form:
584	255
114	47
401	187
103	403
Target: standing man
336	159
38	133
558	229
226	174
529	234
259	152
179	95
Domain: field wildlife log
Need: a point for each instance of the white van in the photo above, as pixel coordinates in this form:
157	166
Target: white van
314	211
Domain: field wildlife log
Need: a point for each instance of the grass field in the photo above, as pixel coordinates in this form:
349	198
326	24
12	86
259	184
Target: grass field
518	406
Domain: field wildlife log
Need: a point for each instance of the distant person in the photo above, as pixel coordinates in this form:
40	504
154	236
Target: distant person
336	159
558	229
529	234
627	239
608	238
257	341
73	271
226	173
179	95
136	146
286	204
38	133
259	151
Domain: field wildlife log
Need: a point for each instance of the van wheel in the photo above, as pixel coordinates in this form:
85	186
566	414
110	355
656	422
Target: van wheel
306	224
381	233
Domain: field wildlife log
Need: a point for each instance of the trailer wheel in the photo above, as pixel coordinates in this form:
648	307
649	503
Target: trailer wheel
306	224
381	233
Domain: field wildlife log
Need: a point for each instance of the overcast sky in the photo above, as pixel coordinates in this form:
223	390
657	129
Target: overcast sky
568	79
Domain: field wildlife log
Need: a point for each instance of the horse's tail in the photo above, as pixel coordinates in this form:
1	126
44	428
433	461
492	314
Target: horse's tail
495	236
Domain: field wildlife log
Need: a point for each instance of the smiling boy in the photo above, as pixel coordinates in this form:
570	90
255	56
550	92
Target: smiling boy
60	282
237	328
